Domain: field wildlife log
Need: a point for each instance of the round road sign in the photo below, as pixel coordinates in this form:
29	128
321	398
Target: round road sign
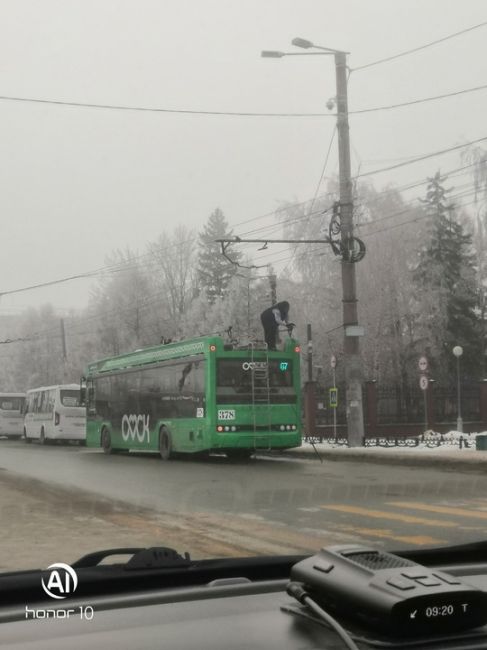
333	361
423	363
423	382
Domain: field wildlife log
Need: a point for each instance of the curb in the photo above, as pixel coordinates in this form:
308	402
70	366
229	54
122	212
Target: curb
368	455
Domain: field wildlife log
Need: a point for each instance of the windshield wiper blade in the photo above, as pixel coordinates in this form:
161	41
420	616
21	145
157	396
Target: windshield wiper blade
156	557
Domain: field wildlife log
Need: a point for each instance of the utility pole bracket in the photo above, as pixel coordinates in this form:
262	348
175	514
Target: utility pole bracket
350	249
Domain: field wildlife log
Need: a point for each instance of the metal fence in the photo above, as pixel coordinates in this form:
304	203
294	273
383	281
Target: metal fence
462	442
446	403
400	405
406	410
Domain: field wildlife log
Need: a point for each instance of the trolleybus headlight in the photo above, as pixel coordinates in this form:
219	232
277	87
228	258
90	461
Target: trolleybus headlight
293	427
212	348
227	428
234	428
288	427
282	427
297	348
219	429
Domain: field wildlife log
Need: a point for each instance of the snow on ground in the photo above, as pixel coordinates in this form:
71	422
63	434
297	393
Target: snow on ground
430	442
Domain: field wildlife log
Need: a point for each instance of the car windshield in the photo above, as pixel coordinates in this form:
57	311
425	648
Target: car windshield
243	276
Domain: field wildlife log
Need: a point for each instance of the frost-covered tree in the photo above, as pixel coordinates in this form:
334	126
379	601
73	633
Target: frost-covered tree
476	159
173	275
445	283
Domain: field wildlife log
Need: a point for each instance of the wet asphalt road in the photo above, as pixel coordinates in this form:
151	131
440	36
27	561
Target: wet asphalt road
393	506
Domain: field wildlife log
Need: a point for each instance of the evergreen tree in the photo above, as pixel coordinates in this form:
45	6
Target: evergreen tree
446	297
214	270
476	158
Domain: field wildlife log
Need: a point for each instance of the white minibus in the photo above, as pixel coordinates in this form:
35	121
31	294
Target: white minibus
54	413
11	414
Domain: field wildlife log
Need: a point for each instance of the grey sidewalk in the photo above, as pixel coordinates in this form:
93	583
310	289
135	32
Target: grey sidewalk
446	457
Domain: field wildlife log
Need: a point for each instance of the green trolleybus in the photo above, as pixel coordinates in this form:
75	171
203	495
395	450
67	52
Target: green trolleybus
195	396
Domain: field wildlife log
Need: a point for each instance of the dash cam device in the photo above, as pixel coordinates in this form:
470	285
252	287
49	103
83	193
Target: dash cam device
389	593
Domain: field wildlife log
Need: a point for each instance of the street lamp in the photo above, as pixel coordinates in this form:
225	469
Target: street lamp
458	351
351	330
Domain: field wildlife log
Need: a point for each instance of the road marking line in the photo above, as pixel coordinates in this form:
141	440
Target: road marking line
383	533
446	510
396	516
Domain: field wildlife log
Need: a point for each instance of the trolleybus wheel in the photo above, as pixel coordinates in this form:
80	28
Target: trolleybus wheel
106	442
165	444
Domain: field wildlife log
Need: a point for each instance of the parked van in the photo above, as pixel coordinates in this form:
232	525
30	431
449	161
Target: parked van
11	414
54	413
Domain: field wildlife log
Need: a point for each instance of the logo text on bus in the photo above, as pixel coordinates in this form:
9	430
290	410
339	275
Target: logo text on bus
254	365
135	426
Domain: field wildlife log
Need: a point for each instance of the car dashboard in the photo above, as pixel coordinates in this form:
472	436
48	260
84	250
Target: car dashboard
229	612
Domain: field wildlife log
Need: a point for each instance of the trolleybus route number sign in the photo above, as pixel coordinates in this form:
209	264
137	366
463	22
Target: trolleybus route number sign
226	414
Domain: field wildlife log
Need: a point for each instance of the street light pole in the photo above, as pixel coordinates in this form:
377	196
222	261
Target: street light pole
351	345
458	351
352	332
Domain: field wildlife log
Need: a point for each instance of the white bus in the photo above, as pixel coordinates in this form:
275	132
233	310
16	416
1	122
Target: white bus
11	414
54	413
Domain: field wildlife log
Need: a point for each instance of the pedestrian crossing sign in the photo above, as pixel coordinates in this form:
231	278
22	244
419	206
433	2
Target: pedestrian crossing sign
333	398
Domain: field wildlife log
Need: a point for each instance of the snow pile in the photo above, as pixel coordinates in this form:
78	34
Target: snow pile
430	441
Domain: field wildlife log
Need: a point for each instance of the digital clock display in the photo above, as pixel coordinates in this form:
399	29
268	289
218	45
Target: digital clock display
439	614
442	610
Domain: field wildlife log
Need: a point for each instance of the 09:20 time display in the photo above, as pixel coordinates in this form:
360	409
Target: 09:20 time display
442	610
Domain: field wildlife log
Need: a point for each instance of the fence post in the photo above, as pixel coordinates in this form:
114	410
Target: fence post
310	408
371	408
483	402
430	406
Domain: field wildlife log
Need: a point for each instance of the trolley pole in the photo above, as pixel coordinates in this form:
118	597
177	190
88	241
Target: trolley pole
352	359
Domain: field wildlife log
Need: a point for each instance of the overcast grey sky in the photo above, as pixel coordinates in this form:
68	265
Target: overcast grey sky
77	183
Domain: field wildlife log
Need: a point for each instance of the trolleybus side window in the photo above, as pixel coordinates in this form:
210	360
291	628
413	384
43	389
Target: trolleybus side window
173	390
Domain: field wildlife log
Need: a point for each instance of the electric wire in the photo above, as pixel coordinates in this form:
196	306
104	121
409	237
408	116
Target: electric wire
419	48
405	223
452	173
421	158
410	205
154	109
322	175
135	108
120	266
422	100
149	301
